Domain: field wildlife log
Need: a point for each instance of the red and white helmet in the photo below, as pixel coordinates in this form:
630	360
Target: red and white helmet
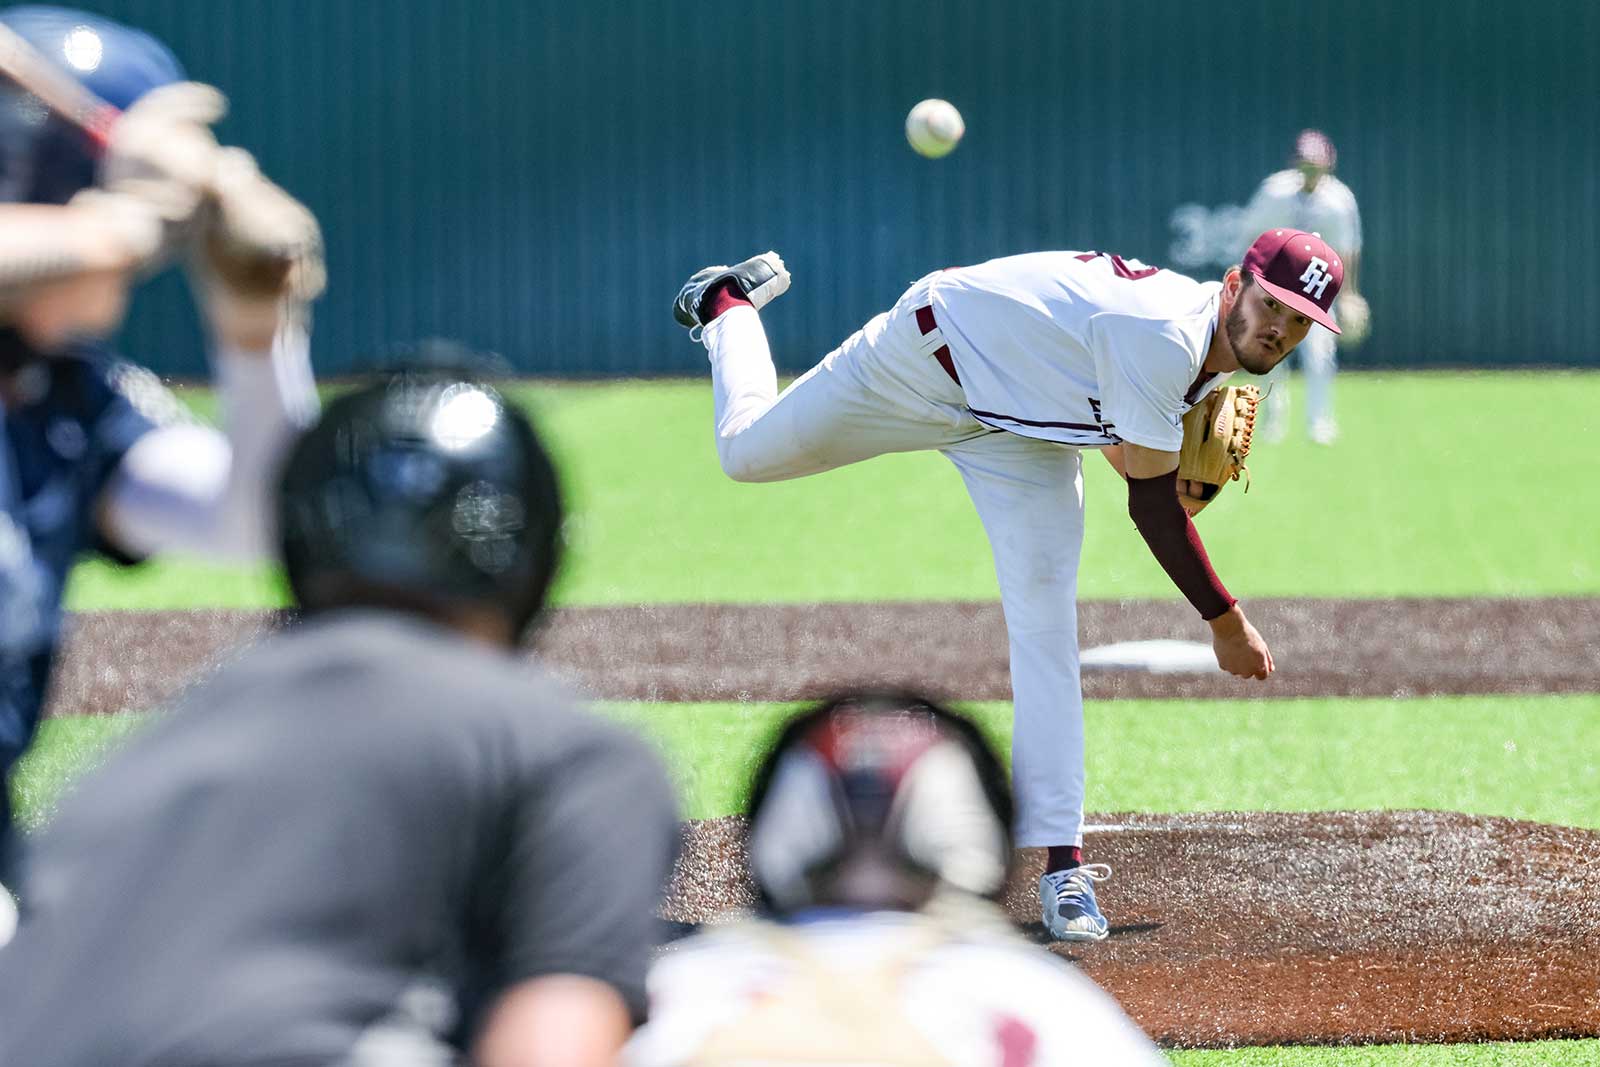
890	773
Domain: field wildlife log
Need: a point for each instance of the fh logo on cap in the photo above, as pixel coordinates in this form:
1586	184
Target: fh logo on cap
1316	278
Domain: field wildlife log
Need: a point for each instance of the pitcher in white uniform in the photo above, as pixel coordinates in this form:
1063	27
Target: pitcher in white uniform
1307	196
1012	368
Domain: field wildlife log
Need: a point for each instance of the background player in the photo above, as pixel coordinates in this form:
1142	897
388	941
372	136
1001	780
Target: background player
1307	196
878	839
96	455
1011	368
377	837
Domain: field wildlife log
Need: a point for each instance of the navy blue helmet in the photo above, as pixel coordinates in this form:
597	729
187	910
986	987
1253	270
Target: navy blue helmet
43	159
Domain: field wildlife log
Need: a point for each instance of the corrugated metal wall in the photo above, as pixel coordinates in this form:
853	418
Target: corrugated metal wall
538	177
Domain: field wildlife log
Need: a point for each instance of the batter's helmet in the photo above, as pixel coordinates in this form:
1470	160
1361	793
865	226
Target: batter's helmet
886	774
424	490
44	160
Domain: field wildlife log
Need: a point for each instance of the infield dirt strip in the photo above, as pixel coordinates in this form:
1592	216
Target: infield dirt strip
115	661
1227	928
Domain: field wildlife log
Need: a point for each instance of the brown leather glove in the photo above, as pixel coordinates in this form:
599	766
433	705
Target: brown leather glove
1217	434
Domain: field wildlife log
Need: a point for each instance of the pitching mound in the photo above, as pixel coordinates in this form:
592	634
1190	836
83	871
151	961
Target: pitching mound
1307	929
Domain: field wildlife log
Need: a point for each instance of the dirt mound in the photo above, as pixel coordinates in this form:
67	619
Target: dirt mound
1262	928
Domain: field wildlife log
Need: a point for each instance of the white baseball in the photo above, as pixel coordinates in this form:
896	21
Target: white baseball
934	127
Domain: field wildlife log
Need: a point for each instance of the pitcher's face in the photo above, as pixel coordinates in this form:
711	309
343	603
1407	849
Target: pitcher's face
1262	330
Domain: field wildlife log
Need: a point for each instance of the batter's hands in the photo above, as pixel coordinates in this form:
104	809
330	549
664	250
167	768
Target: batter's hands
1240	649
257	255
260	240
162	154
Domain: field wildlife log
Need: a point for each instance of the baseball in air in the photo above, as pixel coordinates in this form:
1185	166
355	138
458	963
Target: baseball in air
934	127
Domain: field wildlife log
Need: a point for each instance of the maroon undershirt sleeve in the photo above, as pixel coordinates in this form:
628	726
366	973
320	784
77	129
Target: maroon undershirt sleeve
1175	543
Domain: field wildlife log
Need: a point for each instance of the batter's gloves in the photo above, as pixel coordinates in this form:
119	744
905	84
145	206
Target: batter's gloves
158	165
257	252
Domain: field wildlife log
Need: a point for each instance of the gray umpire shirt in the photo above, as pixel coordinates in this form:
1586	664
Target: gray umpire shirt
355	835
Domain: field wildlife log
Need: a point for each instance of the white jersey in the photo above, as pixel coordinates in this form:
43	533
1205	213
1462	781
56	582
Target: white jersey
877	988
1084	348
1329	210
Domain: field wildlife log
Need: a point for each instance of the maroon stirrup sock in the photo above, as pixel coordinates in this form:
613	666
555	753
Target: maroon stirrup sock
724	296
1063	857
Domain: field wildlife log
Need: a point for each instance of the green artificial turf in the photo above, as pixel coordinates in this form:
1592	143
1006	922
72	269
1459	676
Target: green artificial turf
1419	498
1498	1054
1525	757
1528	757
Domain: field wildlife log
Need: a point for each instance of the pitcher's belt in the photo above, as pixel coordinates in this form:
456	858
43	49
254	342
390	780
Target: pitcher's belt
927	324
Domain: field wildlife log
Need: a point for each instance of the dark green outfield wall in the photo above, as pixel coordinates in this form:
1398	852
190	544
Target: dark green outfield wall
538	177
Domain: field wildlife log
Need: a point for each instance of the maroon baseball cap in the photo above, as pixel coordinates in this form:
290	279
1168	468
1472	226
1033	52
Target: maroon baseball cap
1300	269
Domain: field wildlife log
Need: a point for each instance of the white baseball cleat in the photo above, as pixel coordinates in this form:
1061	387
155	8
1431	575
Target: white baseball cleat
1324	431
1070	911
761	278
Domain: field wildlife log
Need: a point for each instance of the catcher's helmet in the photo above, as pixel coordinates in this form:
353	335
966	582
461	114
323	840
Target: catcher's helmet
889	773
43	159
425	490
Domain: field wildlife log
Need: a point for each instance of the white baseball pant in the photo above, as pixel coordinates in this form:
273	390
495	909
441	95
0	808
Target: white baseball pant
882	391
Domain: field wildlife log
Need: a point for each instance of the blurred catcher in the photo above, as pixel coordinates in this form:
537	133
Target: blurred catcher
378	838
879	841
1306	196
96	455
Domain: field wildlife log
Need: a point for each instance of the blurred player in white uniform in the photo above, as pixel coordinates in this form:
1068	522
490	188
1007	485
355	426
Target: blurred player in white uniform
1307	196
1011	369
878	840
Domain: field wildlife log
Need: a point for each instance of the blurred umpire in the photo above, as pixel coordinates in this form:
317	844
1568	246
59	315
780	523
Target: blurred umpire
879	839
95	455
379	837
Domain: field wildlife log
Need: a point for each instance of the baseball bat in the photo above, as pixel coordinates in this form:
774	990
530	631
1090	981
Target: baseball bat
59	91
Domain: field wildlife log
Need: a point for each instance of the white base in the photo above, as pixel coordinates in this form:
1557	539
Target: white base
1153	657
